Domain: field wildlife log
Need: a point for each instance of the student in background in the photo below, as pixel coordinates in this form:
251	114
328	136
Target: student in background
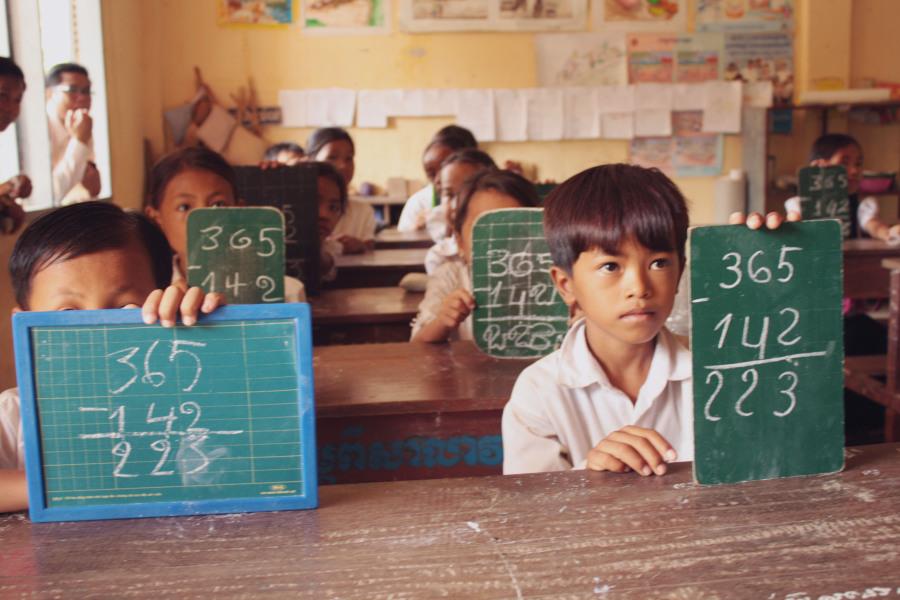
355	231
445	311
617	395
444	143
75	176
88	256
285	153
12	88
455	171
194	178
332	202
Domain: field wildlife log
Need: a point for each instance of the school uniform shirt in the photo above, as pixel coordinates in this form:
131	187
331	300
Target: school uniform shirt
866	210
417	204
447	278
69	159
436	223
294	291
441	252
357	221
12	443
563	405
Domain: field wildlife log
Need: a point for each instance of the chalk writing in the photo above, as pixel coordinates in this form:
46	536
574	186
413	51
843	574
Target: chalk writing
823	195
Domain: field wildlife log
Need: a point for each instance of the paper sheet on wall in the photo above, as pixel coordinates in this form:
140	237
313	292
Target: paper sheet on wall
618	126
761	57
615	98
639	15
293	108
740	15
545	114
330	107
581	59
686	97
652	122
476	113
511	115
722	107
758	94
373	106
688	152
652	96
581	113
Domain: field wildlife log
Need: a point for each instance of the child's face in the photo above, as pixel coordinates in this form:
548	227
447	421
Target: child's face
11	91
431	162
112	278
481	202
626	297
329	206
340	155
851	158
72	93
452	178
186	191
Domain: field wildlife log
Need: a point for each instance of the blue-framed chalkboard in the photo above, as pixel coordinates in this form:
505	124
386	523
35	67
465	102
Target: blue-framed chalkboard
124	420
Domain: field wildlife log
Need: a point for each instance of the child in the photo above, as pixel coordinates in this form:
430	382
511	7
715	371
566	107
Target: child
194	178
84	257
332	200
448	303
444	143
355	231
456	169
12	88
617	395
285	153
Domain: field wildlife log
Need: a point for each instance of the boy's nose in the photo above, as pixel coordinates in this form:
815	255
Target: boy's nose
637	285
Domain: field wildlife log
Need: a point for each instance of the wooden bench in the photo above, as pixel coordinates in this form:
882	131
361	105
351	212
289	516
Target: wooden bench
363	315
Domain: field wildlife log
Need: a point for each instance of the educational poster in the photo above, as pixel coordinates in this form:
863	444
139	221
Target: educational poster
579	59
639	15
339	17
751	57
674	58
745	15
688	152
256	12
652	152
698	57
493	15
542	15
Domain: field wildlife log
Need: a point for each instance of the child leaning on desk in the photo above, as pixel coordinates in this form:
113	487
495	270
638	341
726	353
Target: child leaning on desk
617	395
88	256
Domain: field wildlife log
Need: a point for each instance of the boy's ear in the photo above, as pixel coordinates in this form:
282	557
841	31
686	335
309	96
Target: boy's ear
564	284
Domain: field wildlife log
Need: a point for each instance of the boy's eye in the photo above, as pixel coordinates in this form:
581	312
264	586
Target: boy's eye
334	207
609	267
217	204
183	207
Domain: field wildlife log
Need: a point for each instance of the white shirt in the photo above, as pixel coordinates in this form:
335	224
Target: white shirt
417	204
436	222
441	252
69	158
449	277
563	405
357	221
12	442
294	291
865	212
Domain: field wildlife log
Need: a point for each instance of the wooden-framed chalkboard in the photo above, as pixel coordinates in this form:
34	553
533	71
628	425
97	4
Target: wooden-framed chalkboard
518	312
123	419
823	195
767	344
238	252
293	191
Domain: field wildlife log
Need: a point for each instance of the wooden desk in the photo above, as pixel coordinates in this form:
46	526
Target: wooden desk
409	411
379	268
864	276
385	202
363	315
576	534
391	238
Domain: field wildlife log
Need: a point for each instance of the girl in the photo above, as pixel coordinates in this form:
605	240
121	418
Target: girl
355	231
448	302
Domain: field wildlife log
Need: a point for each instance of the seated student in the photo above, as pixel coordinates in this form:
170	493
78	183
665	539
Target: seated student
285	153
355	230
445	311
84	257
332	201
617	395
444	143
12	88
194	178
455	170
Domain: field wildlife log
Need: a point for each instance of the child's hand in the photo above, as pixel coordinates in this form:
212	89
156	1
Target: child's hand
265	165
632	448
456	307
421	219
11	215
166	305
754	220
19	186
352	245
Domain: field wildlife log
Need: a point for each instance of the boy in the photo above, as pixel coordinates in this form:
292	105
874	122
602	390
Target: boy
85	257
12	88
617	395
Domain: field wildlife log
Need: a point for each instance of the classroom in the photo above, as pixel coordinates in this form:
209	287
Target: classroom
450	298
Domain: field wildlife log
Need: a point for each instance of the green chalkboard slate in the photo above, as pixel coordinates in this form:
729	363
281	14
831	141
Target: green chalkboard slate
238	252
123	419
518	312
823	195
293	191
768	353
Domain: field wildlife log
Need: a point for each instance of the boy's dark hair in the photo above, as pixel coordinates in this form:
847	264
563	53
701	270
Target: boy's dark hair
81	229
603	206
197	158
327	170
8	68
326	135
54	77
470	156
453	137
827	145
505	182
274	150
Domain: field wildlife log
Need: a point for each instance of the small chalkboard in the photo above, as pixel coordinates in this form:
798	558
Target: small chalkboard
238	252
823	195
293	191
124	420
768	351
518	312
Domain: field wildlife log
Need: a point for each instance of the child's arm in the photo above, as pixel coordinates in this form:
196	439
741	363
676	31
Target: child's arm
454	309
632	448
353	245
13	490
871	224
165	305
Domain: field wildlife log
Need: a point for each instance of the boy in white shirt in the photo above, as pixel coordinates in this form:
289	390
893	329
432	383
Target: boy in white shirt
84	257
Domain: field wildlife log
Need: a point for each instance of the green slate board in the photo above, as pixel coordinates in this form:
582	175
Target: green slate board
238	252
293	191
518	311
768	352
823	195
123	419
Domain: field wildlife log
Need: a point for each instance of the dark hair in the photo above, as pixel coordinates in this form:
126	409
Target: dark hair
601	207
54	77
453	137
8	68
327	170
470	156
321	137
197	157
81	229
505	182
827	145
274	150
